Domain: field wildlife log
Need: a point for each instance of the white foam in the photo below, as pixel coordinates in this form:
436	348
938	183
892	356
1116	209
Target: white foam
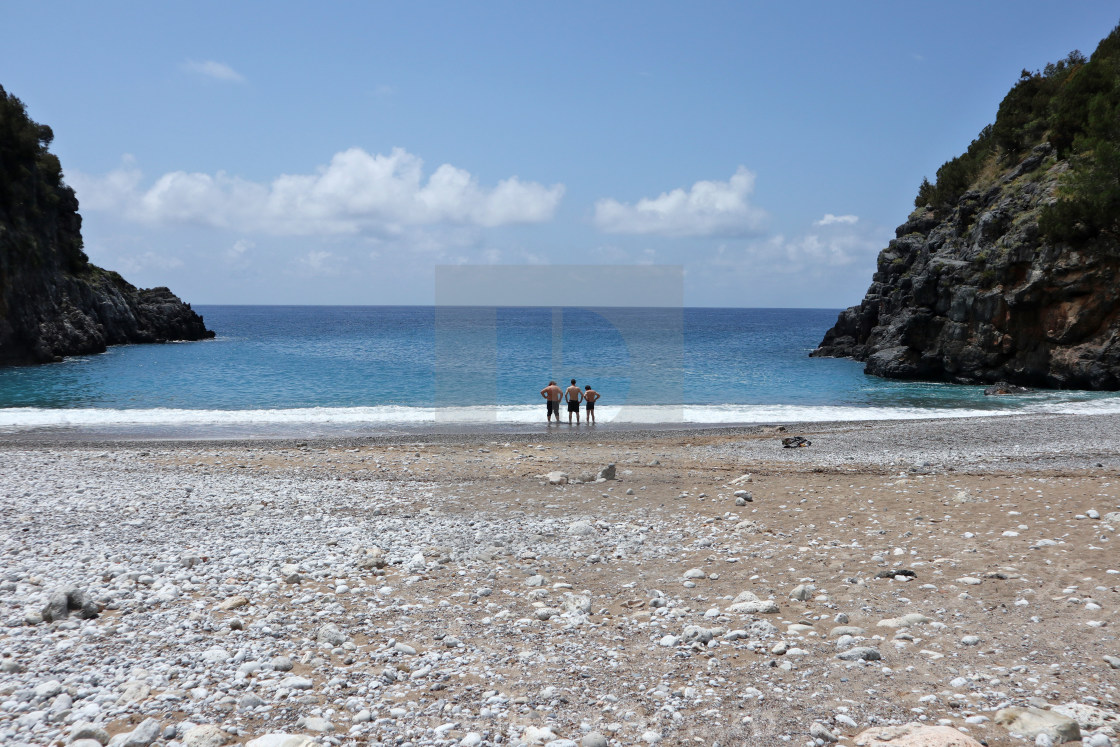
29	418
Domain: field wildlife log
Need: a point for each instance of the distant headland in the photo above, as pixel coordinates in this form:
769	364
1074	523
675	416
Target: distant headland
1009	267
53	301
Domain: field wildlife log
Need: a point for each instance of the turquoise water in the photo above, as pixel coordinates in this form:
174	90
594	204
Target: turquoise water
363	368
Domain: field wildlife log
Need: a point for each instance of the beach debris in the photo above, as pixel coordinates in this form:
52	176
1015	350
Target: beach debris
795	442
896	573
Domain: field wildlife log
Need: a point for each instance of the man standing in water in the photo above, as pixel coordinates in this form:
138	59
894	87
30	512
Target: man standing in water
590	396
574	396
552	395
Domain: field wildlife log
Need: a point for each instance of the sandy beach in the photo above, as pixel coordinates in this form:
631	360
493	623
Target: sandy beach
453	589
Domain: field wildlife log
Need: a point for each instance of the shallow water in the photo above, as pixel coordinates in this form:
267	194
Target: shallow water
274	369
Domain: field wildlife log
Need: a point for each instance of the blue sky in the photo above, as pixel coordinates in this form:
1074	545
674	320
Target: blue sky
338	152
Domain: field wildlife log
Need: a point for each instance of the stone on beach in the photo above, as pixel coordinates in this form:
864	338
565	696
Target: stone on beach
330	634
85	730
914	735
142	736
61	602
803	592
281	739
1032	722
581	528
233	603
905	621
860	653
748	603
206	735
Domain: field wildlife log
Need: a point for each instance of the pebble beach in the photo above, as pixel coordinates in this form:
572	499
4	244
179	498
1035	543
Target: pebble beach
893	581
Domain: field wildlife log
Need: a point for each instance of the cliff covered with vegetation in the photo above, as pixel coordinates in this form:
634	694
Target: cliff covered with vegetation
53	302
1009	267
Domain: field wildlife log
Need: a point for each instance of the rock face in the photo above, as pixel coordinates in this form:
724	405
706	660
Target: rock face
53	302
975	295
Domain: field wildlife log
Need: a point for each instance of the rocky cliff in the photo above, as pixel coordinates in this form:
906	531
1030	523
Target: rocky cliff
1014	275
53	302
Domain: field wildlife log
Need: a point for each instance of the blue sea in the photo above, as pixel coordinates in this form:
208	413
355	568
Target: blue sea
366	370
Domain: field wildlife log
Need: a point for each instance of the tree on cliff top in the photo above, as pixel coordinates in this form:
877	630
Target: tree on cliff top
1074	105
32	193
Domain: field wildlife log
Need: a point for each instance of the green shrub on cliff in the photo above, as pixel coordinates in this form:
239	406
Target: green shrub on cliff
32	193
1074	105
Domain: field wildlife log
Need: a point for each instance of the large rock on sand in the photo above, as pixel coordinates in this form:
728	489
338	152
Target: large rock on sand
914	735
280	739
1030	722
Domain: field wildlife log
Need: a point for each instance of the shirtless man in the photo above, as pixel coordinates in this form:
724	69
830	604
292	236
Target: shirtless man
574	396
552	395
589	398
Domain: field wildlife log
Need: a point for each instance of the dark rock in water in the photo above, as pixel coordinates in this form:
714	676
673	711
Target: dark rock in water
1004	388
794	442
53	302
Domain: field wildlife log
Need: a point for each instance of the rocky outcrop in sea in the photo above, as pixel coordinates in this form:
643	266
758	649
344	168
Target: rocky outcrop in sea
975	294
53	301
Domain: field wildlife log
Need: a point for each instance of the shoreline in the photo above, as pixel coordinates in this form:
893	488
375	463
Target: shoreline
1054	440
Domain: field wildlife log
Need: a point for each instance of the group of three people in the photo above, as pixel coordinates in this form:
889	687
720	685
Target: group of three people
553	395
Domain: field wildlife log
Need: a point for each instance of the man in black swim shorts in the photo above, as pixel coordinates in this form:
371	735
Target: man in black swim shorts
574	396
552	395
589	398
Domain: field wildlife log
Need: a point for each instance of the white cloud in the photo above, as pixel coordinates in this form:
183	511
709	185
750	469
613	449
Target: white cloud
215	70
838	244
319	262
708	208
830	251
238	254
356	193
830	219
144	261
